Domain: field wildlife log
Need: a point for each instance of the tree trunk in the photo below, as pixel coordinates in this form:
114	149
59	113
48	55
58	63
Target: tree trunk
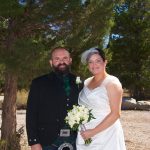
8	128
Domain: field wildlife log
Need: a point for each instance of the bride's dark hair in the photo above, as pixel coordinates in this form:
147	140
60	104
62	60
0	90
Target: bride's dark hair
101	53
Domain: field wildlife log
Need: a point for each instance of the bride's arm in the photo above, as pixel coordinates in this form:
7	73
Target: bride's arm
115	97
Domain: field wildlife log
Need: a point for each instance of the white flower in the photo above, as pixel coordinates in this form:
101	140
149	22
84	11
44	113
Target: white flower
78	80
77	116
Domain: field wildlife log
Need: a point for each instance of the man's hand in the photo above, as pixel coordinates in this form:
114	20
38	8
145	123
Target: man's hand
36	147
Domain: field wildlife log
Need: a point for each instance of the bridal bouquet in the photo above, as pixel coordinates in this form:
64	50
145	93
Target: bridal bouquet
78	116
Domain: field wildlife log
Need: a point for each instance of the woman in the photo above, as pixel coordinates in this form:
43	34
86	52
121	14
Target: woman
102	93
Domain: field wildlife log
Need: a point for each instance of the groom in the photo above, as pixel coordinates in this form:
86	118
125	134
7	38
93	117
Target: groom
49	99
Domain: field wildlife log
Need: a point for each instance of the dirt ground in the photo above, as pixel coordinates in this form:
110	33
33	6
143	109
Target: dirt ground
136	126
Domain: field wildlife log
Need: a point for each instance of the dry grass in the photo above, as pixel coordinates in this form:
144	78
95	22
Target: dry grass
22	99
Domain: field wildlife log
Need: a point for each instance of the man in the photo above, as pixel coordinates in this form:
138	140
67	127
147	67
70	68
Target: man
49	99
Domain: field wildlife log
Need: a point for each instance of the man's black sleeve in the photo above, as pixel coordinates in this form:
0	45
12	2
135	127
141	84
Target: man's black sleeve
32	114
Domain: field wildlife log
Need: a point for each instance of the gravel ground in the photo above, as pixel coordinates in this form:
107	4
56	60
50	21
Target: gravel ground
136	126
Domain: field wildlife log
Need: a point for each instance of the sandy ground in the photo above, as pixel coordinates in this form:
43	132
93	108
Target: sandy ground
136	126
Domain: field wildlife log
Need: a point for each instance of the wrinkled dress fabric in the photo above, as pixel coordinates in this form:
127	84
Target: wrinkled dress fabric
97	100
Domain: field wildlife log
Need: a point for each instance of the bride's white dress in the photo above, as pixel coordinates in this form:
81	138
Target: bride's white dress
97	100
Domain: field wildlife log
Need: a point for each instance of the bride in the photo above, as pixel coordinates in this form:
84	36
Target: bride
102	93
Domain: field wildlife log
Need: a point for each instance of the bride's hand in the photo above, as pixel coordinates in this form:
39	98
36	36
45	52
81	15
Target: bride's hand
87	134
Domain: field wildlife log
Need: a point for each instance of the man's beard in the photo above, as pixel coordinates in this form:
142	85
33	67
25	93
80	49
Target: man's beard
59	70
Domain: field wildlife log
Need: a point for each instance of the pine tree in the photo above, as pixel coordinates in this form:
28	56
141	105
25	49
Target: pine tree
29	29
130	45
17	40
